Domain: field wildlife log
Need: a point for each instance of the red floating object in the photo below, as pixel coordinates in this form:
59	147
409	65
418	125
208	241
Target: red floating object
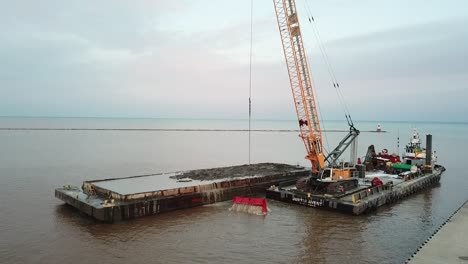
249	205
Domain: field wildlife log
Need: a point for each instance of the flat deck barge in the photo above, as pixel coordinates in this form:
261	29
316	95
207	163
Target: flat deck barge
136	196
124	198
364	198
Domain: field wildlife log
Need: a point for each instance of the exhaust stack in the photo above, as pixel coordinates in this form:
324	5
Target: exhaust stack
429	150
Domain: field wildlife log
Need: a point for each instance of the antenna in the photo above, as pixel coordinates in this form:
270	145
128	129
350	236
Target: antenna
398	141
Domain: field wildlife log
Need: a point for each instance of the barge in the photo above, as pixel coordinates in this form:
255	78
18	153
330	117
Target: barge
382	179
131	197
365	197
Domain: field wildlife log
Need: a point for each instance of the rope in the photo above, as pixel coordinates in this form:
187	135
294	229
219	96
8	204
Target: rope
320	115
250	73
330	68
318	106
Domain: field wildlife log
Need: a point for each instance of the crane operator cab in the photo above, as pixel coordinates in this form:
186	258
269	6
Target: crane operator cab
335	180
335	174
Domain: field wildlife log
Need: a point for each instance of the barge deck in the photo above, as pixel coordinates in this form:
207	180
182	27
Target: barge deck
118	199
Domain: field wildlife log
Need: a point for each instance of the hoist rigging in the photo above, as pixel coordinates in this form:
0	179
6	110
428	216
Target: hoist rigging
324	168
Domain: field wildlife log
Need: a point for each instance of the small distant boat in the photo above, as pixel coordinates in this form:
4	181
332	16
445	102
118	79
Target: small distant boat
379	128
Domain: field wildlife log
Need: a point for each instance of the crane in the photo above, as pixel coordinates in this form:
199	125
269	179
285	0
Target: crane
324	168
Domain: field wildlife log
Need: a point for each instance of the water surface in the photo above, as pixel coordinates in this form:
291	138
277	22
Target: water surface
35	227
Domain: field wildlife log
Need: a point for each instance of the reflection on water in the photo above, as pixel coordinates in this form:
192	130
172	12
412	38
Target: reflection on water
37	228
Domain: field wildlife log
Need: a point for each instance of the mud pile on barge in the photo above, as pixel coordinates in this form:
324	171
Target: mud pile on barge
259	169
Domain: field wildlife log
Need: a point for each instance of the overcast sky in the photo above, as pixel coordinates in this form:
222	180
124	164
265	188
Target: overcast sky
394	59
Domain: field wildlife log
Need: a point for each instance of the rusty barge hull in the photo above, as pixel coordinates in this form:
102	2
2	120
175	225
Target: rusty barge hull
112	200
362	200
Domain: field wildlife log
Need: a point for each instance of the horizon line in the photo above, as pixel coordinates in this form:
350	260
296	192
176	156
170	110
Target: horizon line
237	119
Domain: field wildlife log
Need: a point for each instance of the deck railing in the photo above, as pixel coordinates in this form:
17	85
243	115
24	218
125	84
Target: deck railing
357	197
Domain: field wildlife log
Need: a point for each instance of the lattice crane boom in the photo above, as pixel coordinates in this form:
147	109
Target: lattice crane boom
301	82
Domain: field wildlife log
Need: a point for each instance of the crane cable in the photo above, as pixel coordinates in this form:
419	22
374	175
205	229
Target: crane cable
330	69
326	58
321	116
250	72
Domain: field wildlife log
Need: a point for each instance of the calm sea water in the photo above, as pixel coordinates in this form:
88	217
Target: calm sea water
35	227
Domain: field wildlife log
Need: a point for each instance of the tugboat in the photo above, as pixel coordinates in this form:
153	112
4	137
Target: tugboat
415	154
413	157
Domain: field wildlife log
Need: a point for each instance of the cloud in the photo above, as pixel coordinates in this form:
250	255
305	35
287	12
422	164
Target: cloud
418	50
410	73
164	59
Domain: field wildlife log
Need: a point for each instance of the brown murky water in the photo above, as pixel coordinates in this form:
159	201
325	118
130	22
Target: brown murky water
37	228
